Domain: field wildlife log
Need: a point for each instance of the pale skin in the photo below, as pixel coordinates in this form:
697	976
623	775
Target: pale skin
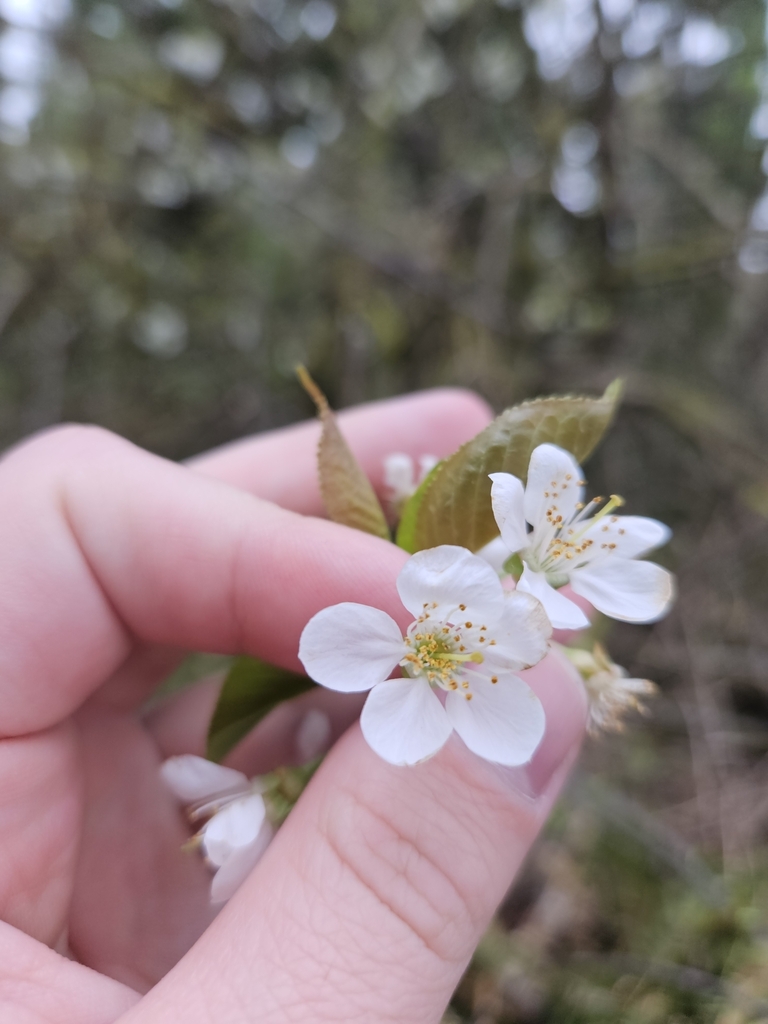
368	904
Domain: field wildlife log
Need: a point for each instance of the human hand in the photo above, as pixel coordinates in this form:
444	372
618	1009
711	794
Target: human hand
371	898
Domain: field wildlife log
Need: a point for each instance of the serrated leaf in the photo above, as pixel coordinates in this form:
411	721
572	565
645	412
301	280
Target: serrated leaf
406	528
347	493
456	505
252	688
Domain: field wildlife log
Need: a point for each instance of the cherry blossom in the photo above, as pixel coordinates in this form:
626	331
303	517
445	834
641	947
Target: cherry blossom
235	832
597	552
612	694
458	661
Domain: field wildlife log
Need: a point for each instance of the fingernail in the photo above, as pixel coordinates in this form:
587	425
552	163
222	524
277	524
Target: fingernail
559	688
313	735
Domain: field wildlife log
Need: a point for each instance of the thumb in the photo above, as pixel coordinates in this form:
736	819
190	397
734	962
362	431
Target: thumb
371	899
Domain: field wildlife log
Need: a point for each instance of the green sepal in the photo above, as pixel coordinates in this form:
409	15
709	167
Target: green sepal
250	691
514	566
284	786
455	506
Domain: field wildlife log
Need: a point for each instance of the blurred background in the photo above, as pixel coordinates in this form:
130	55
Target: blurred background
520	197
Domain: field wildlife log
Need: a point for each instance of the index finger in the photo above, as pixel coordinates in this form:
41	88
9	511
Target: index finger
281	465
105	545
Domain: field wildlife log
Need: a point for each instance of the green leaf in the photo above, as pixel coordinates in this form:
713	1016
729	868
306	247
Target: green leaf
347	493
406	528
252	688
455	507
193	668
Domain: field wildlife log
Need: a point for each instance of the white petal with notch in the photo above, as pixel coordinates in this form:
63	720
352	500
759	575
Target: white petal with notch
553	480
507	499
632	536
404	721
624	589
234	826
350	647
522	634
447	577
503	722
192	778
238	866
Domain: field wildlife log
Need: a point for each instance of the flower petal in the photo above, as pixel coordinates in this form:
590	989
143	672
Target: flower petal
440	579
399	473
404	722
507	499
236	825
554	482
562	613
521	636
350	647
503	722
495	553
192	778
625	589
633	536
236	868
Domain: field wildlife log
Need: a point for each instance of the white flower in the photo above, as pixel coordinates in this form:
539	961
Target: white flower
596	552
610	691
468	640
400	476
236	831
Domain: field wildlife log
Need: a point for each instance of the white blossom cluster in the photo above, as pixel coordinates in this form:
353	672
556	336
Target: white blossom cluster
470	635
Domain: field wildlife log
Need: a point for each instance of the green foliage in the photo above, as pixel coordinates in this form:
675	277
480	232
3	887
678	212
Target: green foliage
406	528
346	490
193	669
252	688
455	506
